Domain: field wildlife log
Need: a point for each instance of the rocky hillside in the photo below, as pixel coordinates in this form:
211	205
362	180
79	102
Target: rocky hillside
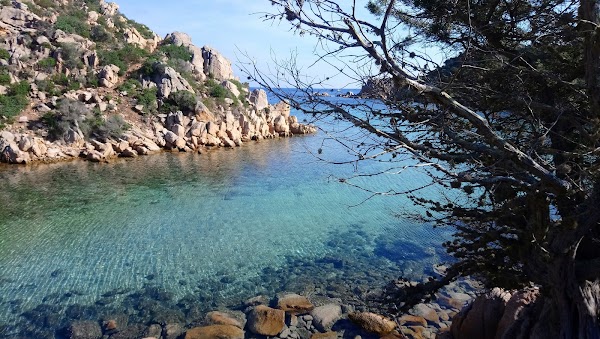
79	79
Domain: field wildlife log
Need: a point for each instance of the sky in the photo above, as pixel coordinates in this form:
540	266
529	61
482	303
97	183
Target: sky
233	27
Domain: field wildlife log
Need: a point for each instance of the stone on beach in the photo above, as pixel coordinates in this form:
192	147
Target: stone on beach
372	322
266	321
294	304
325	316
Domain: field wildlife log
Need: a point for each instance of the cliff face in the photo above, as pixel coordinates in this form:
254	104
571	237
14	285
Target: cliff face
79	79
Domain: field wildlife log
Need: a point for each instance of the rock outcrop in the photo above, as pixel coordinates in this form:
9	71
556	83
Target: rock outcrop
216	65
169	81
499	314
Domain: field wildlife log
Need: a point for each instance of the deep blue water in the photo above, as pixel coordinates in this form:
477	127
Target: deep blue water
179	234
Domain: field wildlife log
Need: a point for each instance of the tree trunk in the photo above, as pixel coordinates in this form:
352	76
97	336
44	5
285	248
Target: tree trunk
577	303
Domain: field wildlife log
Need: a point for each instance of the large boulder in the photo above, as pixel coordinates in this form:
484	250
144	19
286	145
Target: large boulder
266	321
197	62
516	312
480	319
216	64
108	76
17	20
232	318
258	98
294	304
372	322
325	316
9	150
109	8
169	81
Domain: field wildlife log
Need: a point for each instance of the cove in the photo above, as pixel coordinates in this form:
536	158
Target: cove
188	233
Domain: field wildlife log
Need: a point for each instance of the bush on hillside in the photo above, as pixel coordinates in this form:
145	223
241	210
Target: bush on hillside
4	54
182	101
74	23
100	34
176	52
142	29
147	98
47	64
72	114
71	56
123	57
129	86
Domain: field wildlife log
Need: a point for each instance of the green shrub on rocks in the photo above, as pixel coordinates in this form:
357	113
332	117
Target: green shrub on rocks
176	52
74	22
4	54
47	64
142	29
122	57
180	101
129	86
147	98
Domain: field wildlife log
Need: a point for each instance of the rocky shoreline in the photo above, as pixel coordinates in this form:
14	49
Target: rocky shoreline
172	132
288	315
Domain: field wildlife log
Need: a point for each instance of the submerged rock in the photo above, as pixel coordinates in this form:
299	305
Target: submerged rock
84	330
215	331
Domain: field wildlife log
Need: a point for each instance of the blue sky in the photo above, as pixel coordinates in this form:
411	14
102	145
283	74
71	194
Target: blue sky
230	26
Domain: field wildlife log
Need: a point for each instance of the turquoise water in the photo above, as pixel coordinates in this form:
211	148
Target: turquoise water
178	234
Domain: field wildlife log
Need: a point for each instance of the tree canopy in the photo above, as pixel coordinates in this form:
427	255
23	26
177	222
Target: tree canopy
510	120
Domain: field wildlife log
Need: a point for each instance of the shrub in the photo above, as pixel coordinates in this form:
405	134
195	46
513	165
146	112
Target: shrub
142	29
122	57
47	64
45	3
11	105
215	89
4	76
176	52
92	80
21	88
71	56
4	54
147	98
183	100
61	79
70	113
47	86
74	23
113	127
100	34
129	85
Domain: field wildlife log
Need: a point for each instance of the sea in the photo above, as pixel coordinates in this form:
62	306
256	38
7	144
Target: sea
171	236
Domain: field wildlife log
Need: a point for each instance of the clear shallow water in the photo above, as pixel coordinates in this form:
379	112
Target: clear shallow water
188	233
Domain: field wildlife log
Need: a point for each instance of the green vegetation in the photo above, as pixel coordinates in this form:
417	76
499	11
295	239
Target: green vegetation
123	57
71	114
129	86
74	22
71	56
215	89
48	87
142	29
147	98
47	64
13	102
100	34
176	52
4	76
180	101
4	54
